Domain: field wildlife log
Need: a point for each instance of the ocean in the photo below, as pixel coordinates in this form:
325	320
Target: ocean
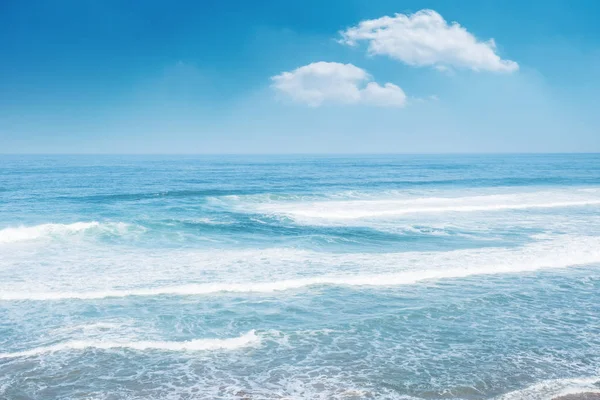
299	277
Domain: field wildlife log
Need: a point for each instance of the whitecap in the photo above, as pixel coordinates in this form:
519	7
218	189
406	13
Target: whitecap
25	233
404	204
549	389
246	340
414	267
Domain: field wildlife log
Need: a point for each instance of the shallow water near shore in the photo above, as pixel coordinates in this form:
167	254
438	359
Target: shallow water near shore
299	277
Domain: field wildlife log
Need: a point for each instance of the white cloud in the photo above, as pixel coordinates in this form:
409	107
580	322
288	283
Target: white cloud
386	95
426	39
331	82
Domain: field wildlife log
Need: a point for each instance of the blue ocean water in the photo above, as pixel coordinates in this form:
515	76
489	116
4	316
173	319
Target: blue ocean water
299	277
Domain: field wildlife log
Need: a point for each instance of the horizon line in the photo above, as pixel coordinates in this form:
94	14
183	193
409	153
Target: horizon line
307	154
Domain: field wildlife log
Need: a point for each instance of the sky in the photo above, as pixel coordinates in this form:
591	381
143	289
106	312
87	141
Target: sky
287	76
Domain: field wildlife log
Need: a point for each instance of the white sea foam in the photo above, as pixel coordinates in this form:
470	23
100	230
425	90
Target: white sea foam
392	269
399	205
547	390
23	233
364	209
247	340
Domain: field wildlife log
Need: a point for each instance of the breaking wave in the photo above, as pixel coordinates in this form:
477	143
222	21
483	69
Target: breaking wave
558	253
24	233
550	389
246	340
400	205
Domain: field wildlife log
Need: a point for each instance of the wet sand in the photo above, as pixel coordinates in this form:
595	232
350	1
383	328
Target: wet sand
580	396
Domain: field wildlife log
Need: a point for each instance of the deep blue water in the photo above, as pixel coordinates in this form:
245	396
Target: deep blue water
299	277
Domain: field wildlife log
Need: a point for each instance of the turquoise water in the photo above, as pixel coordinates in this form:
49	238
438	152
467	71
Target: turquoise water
272	277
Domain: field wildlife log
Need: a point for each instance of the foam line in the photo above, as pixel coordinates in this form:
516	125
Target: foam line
458	264
246	340
550	389
376	208
23	233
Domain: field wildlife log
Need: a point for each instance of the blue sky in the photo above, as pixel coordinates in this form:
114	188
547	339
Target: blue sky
227	76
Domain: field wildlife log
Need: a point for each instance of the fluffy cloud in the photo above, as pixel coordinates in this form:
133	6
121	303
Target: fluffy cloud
426	39
331	82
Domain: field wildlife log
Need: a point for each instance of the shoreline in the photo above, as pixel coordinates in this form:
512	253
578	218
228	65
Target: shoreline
579	396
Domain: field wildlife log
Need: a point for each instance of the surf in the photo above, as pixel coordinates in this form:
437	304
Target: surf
50	230
396	269
552	388
248	339
399	204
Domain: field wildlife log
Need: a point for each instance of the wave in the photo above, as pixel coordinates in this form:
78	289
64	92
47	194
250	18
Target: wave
24	233
339	210
547	254
551	389
399	205
247	340
126	197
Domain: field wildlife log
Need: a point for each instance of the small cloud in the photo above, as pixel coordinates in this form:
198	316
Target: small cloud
388	95
330	82
426	39
426	99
